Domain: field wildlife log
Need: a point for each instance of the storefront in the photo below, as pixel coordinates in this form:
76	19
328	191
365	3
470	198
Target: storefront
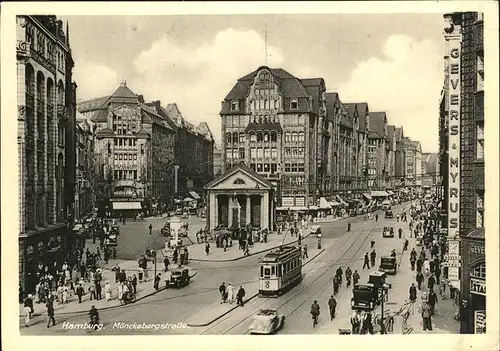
473	306
46	246
240	197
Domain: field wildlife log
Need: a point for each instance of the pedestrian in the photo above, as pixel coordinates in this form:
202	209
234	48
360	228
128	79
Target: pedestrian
239	296
413	292
28	310
367	262
207	248
412	263
119	291
437	273
65	294
50	312
348	275
98	290
157	281
373	256
432	299
332	305
92	291
355	277
315	311
397	220
166	263
230	292
431	282
420	263
425	311
419	278
349	226
222	292
107	291
355	322
150	229
400	232
367	323
304	256
115	254
335	285
134	284
80	292
376	217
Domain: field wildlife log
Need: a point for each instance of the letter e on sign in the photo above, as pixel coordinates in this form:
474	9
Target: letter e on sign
454	68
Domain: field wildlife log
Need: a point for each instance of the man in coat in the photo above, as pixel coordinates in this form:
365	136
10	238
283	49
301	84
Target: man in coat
239	297
80	292
366	261
222	292
50	312
413	292
419	278
431	282
332	305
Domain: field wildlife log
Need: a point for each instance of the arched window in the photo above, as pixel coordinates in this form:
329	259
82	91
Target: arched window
301	136
228	138
242	138
266	136
235	138
60	93
50	92
29	80
294	137
294	104
287	137
259	137
253	137
40	86
274	137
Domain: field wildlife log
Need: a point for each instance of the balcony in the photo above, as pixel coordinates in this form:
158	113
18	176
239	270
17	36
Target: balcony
479	106
62	111
30	100
29	142
40	106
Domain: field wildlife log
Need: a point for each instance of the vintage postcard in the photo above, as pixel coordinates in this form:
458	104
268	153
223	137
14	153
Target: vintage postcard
236	169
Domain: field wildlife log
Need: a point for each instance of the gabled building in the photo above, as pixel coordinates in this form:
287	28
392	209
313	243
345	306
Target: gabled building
399	158
362	147
277	124
85	169
377	141
334	116
391	158
348	147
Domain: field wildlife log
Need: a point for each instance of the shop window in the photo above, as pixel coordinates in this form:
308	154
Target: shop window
479	271
480	209
480	140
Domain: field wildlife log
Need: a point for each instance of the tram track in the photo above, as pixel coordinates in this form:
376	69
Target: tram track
344	248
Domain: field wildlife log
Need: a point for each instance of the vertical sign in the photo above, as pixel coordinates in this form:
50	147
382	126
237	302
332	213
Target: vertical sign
480	322
453	45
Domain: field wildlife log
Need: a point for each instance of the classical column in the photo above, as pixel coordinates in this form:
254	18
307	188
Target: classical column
248	210
262	212
266	210
215	209
229	211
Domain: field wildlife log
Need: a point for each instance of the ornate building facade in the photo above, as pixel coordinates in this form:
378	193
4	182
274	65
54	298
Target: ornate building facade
413	163
85	169
377	153
46	122
277	124
399	158
391	157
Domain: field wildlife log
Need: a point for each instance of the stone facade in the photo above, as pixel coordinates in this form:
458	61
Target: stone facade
85	169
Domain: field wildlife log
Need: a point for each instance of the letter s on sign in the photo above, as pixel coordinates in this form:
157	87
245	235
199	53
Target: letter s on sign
455	53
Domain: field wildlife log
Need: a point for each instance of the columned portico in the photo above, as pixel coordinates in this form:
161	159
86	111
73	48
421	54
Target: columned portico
238	198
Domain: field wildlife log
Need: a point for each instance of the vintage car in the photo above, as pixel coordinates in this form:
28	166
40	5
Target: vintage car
178	278
315	229
266	321
388	232
365	297
112	240
389	214
386	205
388	264
114	226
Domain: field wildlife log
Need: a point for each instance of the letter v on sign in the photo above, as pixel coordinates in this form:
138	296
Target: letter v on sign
454	83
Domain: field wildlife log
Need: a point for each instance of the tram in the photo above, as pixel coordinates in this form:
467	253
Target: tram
280	270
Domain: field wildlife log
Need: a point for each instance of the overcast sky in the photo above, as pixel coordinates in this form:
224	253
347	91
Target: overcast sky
393	62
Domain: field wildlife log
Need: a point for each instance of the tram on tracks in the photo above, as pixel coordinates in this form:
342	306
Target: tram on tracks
280	270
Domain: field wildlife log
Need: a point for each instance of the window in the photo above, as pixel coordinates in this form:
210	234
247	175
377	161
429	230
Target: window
116	157
266	137
267	153
294	167
480	209
294	152
242	153
229	154
259	167
235	138
120	157
260	152
274	167
287	137
267	272
142	149
234	105
135	174
130	142
228	138
301	151
235	153
294	137
294	105
259	137
288	151
300	167
252	166
253	138
266	167
274	153
242	138
274	137
301	137
135	157
480	140
287	167
253	153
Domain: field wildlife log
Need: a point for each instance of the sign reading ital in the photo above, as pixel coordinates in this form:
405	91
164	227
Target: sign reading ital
477	286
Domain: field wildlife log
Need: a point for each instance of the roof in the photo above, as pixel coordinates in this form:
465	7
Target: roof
477	233
390	137
376	123
90	105
269	126
142	133
331	100
105	132
352	113
241	166
398	134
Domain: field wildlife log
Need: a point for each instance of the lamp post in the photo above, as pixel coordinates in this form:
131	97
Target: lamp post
319	240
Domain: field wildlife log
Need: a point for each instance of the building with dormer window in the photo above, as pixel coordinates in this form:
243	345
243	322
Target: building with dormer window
276	123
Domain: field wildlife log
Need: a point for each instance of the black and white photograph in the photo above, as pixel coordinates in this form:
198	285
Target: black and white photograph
251	173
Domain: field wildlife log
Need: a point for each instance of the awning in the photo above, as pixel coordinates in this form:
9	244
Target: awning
313	207
368	197
194	195
323	203
379	193
125	205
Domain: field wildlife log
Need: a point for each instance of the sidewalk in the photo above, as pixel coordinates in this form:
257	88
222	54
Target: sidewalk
217	310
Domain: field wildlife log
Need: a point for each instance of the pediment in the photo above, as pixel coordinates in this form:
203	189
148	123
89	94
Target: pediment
239	179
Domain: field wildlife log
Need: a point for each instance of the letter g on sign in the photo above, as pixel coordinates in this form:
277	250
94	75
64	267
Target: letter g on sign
455	53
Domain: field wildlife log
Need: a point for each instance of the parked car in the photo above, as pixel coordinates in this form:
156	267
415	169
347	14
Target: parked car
178	278
389	214
112	240
388	232
267	321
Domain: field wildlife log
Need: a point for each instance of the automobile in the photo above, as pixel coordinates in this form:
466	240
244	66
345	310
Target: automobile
388	264
266	321
388	232
178	278
365	297
114	226
112	240
389	214
315	229
386	205
114	230
166	229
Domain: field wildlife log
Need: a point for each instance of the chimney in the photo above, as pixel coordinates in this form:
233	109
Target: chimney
158	105
141	98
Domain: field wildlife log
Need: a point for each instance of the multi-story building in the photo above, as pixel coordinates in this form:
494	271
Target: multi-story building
413	163
134	147
430	170
391	157
377	140
194	154
85	168
277	124
348	147
46	121
463	117
334	115
217	160
399	158
362	147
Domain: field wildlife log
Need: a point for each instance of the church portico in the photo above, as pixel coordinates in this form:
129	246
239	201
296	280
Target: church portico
238	198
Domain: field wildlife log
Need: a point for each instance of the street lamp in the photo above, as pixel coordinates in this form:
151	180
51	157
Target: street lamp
319	240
